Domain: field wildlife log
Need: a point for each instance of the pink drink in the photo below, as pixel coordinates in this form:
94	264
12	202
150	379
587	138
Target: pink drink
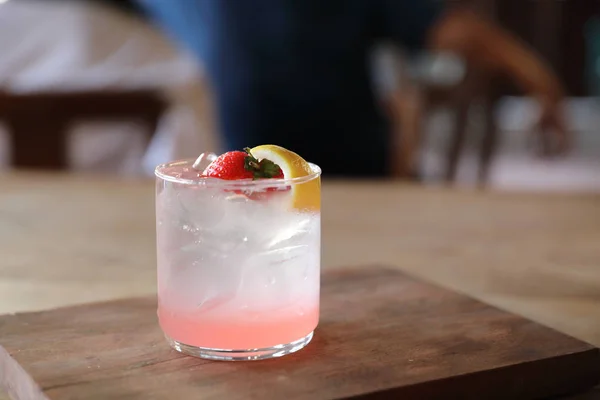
238	331
238	277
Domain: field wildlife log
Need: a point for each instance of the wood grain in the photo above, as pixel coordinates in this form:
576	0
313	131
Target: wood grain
69	239
381	334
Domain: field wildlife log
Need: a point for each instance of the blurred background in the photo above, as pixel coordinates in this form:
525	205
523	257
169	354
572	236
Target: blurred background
93	86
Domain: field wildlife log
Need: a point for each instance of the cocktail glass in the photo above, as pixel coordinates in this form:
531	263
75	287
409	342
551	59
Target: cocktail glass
238	265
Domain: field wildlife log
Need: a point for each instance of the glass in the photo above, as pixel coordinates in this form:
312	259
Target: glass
238	267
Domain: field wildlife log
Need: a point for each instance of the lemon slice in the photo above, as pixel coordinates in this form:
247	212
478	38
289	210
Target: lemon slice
305	196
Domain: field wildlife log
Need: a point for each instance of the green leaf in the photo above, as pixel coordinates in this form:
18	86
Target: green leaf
269	169
260	169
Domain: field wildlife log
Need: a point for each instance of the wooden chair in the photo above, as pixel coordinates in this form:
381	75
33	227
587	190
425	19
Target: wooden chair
38	123
475	88
409	107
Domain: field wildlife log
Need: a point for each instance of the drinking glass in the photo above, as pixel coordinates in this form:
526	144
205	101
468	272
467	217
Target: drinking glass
238	264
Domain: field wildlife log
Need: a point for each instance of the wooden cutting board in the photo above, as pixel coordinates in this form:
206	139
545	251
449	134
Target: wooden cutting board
381	334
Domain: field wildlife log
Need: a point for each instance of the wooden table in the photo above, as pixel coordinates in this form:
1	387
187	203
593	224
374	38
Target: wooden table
71	239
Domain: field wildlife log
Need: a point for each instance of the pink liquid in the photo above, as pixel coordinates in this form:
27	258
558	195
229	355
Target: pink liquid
238	331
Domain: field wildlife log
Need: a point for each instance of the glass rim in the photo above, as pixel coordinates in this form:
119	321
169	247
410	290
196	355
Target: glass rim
242	183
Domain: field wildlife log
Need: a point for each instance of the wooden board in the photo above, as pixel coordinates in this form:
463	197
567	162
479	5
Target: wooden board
381	334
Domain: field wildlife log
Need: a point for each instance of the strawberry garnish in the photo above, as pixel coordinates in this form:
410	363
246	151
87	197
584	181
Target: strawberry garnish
235	165
229	166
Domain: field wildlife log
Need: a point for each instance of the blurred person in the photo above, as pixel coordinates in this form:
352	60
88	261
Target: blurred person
296	72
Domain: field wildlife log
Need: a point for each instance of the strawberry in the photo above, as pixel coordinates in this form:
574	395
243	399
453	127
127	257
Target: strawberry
229	166
235	165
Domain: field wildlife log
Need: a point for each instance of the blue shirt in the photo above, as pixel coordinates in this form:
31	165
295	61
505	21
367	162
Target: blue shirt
296	72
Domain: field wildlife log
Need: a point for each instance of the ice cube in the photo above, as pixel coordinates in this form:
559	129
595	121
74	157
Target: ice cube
203	286
296	227
200	208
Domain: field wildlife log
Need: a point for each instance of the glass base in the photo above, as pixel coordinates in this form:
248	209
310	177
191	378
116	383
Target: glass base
241	355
